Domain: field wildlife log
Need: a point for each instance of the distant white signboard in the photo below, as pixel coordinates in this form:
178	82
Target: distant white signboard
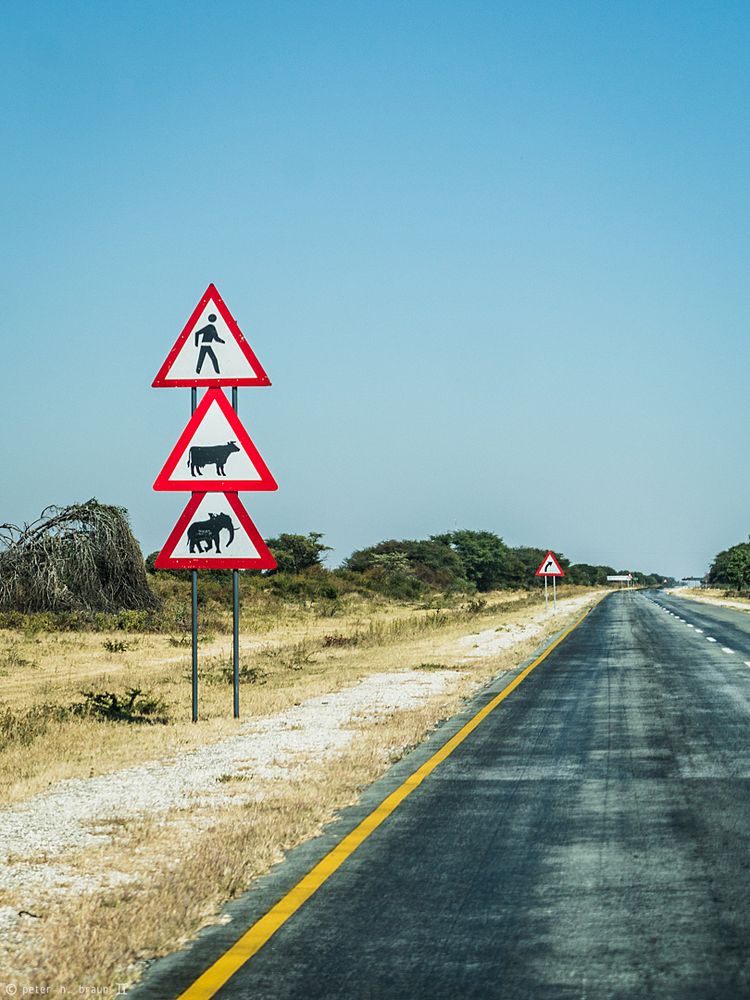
620	579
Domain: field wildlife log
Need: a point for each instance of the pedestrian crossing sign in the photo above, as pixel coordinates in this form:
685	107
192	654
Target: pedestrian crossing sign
211	350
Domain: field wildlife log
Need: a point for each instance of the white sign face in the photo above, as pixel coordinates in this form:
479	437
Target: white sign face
214	532
214	453
619	579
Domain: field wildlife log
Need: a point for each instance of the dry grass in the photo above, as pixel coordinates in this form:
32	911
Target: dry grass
178	881
710	595
297	656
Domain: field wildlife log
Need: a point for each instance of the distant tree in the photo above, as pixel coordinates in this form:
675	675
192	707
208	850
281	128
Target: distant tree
488	562
529	558
731	568
407	567
295	553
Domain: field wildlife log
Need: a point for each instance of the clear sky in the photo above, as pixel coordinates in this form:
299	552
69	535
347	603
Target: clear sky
493	257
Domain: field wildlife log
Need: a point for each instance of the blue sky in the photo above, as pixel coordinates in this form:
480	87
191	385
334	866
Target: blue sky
493	257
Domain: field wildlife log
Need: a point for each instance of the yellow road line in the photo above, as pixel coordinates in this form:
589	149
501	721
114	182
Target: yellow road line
211	981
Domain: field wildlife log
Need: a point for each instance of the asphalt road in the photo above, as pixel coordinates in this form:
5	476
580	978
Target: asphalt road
590	838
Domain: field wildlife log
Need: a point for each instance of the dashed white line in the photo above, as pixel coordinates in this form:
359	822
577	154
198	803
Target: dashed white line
726	649
747	663
709	639
699	630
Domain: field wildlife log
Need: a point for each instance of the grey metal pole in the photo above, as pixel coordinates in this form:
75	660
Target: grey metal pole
194	581
554	592
546	595
235	618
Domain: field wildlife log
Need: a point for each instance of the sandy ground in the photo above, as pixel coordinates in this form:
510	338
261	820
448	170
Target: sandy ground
713	597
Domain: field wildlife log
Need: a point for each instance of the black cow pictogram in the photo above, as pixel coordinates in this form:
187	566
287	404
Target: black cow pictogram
214	454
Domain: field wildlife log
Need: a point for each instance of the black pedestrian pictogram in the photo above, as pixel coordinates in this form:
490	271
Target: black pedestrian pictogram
204	337
214	454
210	532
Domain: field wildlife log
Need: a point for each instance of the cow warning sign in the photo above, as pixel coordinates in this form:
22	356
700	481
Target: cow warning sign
215	452
215	532
211	350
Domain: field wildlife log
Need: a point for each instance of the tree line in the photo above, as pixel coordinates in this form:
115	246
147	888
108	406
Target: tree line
453	561
731	568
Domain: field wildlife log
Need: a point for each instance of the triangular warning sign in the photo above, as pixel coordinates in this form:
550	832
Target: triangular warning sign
211	350
215	452
549	566
215	532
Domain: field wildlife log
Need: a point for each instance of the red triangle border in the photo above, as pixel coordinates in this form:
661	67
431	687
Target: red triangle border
165	560
163	380
195	485
550	555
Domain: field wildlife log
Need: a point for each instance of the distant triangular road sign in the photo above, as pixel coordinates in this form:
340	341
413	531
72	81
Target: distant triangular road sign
215	452
215	532
211	350
549	566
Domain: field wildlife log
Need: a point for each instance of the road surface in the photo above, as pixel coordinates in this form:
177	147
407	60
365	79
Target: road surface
590	838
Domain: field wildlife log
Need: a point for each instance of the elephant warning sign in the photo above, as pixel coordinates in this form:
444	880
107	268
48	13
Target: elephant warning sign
211	350
215	532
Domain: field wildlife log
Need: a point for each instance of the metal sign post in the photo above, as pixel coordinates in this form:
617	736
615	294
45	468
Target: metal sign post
194	600
235	619
214	459
546	595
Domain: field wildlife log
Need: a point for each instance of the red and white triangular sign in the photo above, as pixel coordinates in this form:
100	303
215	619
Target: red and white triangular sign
549	566
211	350
215	452
215	532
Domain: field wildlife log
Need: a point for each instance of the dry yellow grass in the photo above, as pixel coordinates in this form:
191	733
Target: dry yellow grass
289	660
178	882
711	595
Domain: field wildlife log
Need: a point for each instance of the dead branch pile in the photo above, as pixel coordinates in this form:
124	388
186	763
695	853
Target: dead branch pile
82	557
